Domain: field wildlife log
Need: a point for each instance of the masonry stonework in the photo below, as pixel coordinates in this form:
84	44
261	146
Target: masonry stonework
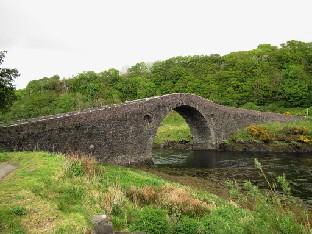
124	133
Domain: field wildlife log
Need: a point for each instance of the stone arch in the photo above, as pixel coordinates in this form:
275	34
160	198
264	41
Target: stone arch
202	131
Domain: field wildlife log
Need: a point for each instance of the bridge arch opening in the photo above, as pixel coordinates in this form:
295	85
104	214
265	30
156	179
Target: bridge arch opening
172	130
193	126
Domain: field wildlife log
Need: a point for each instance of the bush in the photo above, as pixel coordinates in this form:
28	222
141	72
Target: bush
151	220
75	169
250	106
188	226
259	132
304	139
224	220
81	166
294	130
293	133
19	210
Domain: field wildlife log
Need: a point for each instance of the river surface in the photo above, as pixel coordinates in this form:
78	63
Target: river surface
240	166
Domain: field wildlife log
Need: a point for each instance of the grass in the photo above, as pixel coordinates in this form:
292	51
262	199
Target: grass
277	109
51	193
173	128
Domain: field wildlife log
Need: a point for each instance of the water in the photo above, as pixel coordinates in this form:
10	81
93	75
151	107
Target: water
240	165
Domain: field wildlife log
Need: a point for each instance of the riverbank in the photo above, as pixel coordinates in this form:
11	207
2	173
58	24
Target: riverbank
243	146
216	181
272	137
265	147
220	166
55	194
174	133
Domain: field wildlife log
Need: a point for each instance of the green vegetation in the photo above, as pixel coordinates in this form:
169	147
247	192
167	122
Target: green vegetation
266	78
293	132
7	89
173	128
53	194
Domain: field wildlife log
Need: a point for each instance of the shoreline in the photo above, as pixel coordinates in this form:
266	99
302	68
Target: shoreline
243	146
213	180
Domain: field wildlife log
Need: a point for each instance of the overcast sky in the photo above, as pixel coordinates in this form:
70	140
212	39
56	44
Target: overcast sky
66	37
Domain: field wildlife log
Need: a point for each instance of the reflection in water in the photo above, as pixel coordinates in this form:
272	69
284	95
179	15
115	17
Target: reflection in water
296	166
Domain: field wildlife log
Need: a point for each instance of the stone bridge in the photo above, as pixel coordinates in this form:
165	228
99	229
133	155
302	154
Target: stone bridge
124	133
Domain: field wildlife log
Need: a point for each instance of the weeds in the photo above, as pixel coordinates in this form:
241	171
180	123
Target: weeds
51	194
188	225
113	199
177	200
82	166
272	206
258	165
19	210
151	220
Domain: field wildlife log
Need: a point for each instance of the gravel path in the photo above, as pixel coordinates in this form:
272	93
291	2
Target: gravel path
6	168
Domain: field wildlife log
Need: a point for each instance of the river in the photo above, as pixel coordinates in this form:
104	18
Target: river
240	166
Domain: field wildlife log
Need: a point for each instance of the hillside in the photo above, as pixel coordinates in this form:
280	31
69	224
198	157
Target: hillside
266	78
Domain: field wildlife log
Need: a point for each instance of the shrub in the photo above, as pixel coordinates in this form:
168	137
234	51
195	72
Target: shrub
75	169
259	132
224	220
293	133
151	220
80	166
304	139
295	130
188	226
19	210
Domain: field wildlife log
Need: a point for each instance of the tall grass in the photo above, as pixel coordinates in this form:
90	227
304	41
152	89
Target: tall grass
277	211
53	194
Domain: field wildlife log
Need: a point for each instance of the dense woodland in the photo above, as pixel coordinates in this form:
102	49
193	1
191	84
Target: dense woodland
266	76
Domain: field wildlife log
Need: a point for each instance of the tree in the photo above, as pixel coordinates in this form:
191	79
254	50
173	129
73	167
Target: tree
7	89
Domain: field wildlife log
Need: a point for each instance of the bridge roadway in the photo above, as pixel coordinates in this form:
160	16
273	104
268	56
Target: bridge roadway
124	133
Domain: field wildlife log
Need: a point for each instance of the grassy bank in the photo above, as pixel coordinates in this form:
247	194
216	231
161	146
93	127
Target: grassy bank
49	193
299	133
173	128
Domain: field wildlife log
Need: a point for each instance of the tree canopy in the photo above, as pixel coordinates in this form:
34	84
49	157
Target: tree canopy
7	89
268	75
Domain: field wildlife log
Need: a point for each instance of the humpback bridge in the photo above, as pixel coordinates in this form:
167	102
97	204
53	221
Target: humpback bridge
124	133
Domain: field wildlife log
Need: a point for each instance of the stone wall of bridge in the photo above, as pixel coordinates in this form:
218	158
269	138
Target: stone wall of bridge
124	133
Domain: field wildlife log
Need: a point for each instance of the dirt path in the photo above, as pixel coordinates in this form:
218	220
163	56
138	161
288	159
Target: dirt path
7	168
